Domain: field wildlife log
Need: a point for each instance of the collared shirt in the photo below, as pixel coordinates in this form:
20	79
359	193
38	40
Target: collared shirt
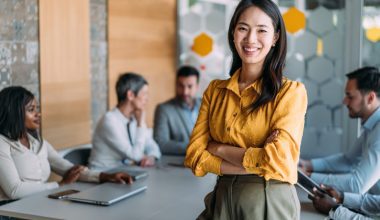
190	113
367	206
111	145
356	171
25	171
223	117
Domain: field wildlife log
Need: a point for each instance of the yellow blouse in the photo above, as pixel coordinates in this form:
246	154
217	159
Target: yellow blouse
223	118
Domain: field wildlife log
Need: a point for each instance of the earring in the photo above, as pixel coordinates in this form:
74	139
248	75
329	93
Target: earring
273	45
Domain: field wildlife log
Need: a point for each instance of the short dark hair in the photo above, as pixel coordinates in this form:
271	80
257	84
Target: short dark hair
13	100
186	71
367	78
274	62
129	81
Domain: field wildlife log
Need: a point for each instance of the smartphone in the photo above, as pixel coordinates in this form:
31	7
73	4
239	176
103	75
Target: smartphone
62	194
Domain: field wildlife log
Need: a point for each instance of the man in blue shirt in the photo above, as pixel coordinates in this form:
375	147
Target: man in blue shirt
356	171
345	206
174	119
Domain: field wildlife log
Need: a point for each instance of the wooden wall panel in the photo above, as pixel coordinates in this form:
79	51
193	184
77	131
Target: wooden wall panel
142	39
65	72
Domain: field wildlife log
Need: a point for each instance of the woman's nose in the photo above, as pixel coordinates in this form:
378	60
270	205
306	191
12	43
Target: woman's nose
251	37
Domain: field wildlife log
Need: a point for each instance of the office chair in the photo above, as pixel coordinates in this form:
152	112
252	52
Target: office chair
77	155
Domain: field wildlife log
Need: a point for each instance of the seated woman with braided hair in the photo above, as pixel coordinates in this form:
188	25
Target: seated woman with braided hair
26	160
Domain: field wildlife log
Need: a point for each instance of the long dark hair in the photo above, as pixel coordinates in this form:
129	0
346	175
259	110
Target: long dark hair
13	100
274	62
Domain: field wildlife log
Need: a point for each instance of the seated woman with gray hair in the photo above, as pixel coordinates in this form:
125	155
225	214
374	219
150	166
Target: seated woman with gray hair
121	136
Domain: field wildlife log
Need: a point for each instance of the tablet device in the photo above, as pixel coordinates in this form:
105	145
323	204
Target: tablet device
307	184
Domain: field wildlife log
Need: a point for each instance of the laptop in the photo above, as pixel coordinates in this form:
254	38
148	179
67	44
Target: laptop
135	172
107	193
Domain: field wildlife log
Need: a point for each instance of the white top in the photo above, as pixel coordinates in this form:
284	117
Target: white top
25	171
111	145
356	171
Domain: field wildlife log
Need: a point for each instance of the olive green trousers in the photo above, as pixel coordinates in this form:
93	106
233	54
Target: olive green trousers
240	197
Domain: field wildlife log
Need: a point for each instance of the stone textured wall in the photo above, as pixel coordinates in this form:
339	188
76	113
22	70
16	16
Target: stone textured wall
98	26
19	47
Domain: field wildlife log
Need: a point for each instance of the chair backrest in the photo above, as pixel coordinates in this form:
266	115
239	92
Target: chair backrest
77	155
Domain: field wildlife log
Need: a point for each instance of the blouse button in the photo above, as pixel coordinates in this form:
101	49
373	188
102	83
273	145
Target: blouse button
235	114
228	129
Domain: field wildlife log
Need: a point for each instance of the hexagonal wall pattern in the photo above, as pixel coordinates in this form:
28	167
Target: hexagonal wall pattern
312	91
295	68
373	34
291	45
330	141
215	21
294	19
191	23
321	20
318	116
309	143
332	93
320	69
337	117
333	45
192	60
202	44
306	44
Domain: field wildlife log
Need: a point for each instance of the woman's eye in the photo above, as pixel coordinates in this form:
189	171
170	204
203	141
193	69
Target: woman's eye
242	28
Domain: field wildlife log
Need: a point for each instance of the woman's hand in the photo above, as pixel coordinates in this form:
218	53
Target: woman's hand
272	137
72	175
147	161
140	117
118	177
214	147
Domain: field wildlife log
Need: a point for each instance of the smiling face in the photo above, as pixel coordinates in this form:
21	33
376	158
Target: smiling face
254	36
32	115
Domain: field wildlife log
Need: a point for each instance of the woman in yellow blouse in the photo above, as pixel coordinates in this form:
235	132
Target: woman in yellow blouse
249	127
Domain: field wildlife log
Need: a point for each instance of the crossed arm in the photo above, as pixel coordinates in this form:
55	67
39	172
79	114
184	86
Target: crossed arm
232	156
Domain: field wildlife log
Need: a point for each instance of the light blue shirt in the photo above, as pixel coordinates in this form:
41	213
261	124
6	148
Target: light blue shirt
367	205
191	113
358	170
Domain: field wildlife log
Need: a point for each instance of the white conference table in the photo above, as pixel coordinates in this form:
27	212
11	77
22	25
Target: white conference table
173	193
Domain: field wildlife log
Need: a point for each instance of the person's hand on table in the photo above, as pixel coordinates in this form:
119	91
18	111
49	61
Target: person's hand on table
118	177
147	161
72	175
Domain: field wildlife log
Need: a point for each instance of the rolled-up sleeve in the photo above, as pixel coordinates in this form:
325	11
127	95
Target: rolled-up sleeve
197	157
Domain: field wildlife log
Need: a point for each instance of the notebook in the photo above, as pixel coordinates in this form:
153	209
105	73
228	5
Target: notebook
107	193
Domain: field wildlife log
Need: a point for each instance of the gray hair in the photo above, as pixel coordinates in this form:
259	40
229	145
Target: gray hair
129	81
